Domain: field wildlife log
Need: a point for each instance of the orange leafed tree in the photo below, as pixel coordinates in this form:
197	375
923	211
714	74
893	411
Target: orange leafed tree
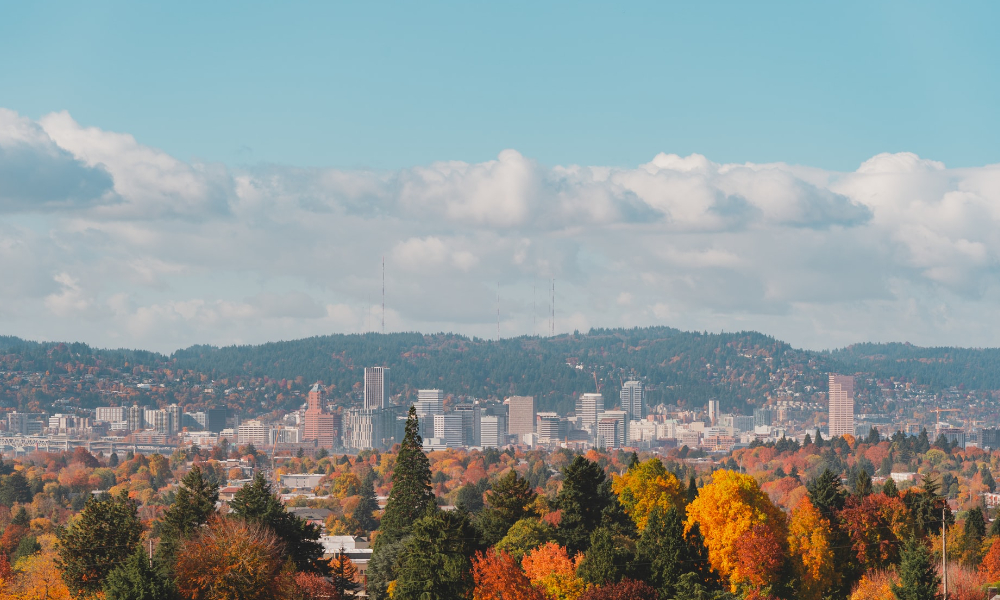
875	525
232	560
645	486
809	537
990	567
760	554
874	585
311	585
726	510
37	577
497	576
550	568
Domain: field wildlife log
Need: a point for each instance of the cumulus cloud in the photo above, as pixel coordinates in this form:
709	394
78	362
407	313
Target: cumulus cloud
110	241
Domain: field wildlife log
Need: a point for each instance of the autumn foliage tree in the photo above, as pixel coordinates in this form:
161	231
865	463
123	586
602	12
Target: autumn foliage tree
726	510
231	559
627	589
550	568
809	545
645	486
497	576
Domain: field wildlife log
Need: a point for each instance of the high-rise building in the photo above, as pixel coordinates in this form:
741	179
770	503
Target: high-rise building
492	431
633	400
376	388
550	427
841	405
319	425
253	432
364	428
215	419
621	429
763	417
134	416
713	412
990	438
471	415
587	407
176	418
110	414
430	402
521	416
448	429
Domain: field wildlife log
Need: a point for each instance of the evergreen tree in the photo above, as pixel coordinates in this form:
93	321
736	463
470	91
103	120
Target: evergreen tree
585	494
917	574
819	439
923	443
995	526
633	460
411	484
342	575
664	554
889	489
364	512
256	503
692	491
806	441
873	436
137	580
113	460
862	484
469	498
987	478
21	518
826	494
437	561
510	497
972	536
14	488
193	504
607	560
106	532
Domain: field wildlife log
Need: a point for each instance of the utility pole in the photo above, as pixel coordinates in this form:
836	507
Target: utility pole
944	549
383	294
150	553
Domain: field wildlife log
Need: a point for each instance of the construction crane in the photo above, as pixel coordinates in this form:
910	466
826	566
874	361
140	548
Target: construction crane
941	410
596	384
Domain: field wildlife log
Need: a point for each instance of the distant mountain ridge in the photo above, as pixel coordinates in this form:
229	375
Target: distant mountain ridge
741	369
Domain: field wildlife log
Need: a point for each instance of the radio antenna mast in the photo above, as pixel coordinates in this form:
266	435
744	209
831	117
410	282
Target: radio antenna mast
498	311
383	294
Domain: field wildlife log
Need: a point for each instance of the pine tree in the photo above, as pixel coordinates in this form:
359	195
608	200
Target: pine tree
633	460
917	575
972	536
664	554
606	560
411	484
826	494
193	505
510	497
105	534
987	478
585	494
692	491
256	503
343	575
862	484
437	560
889	489
137	580
364	512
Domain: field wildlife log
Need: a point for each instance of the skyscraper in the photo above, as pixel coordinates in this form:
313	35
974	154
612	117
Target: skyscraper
520	416
633	400
587	407
713	412
376	388
319	425
841	405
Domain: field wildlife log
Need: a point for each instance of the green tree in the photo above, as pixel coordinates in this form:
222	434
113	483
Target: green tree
510	497
411	484
527	534
918	579
889	489
102	536
364	512
987	478
664	553
585	494
972	536
137	580
469	498
194	504
256	503
862	484
436	563
14	488
826	494
692	491
608	559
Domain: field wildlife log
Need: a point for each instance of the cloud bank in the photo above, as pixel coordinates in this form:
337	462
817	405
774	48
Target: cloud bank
109	241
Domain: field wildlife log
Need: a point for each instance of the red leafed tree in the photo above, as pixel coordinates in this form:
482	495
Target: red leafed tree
760	555
874	525
311	585
499	577
626	589
990	567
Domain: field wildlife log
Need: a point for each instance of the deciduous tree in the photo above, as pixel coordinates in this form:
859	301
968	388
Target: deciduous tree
551	569
645	486
809	545
498	576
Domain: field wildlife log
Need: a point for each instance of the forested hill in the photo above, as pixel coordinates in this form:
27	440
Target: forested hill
741	369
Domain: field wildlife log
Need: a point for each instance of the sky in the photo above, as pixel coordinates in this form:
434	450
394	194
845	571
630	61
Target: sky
231	173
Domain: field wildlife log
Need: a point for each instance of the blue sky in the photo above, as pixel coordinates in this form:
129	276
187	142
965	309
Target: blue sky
182	173
390	85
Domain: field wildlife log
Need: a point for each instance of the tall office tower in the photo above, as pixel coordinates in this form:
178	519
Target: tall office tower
376	388
521	416
159	420
587	407
550	427
176	418
763	417
215	419
448	429
621	423
713	412
110	414
430	402
633	400
319	425
134	417
492	430
364	429
841	405
471	415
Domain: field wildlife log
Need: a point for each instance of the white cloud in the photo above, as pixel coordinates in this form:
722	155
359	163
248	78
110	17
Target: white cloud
125	245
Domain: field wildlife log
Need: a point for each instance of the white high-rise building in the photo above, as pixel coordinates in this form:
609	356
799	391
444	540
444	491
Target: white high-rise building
110	414
253	432
363	428
713	412
841	405
492	431
430	402
448	429
619	422
633	400
376	388
587	407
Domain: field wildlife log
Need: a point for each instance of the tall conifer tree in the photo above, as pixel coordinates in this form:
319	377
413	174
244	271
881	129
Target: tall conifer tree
917	574
411	484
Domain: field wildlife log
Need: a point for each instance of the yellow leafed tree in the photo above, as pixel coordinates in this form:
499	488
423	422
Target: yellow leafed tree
645	486
550	568
37	577
726	510
809	537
